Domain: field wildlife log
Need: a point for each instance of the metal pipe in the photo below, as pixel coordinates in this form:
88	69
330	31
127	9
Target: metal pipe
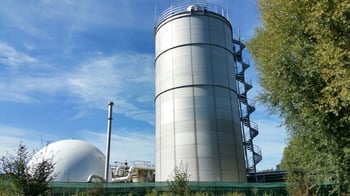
108	145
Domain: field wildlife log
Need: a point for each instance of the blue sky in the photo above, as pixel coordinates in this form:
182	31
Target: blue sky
62	61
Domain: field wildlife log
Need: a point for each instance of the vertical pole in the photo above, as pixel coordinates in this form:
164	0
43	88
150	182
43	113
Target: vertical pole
239	37
108	145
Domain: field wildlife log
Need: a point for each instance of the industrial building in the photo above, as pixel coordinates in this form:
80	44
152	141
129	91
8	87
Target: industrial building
202	110
79	161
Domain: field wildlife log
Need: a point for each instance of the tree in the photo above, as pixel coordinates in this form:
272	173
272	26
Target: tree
308	167
302	55
28	175
178	184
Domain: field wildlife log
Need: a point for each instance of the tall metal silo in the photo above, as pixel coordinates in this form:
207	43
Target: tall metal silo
197	106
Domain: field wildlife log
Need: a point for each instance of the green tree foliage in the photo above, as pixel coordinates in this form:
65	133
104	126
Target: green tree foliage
27	178
308	164
302	54
178	184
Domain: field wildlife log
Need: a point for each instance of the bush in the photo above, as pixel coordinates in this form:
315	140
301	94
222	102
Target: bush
24	178
178	184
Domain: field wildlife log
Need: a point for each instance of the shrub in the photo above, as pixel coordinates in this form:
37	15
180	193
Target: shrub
24	178
178	183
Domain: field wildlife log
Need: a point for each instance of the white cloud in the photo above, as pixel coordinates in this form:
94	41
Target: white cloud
11	57
125	79
73	16
11	137
23	17
128	145
25	88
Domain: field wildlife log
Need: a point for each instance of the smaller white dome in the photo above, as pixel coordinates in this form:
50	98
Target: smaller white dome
74	160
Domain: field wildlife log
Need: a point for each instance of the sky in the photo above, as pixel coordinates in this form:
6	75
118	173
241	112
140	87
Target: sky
63	61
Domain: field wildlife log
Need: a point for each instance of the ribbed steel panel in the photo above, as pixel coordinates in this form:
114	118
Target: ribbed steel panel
197	111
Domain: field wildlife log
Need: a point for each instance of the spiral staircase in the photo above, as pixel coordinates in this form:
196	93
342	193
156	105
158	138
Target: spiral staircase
249	128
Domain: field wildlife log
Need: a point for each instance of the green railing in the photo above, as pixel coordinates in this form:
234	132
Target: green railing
206	188
215	188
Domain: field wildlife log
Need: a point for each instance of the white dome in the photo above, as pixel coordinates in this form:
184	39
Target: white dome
74	160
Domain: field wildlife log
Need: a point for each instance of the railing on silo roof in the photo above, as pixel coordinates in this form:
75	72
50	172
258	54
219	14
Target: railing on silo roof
191	5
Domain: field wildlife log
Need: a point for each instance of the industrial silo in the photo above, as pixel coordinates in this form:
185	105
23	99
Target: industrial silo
197	107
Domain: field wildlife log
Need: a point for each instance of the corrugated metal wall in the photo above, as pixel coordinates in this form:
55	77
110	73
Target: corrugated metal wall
197	108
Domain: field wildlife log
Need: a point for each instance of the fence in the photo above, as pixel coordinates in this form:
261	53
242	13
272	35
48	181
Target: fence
215	188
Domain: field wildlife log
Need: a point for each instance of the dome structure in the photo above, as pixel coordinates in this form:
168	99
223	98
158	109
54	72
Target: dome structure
75	160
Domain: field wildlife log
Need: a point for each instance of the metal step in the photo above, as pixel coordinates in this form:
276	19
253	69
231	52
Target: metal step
249	128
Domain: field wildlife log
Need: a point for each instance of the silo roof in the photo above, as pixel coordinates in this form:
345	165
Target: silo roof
191	6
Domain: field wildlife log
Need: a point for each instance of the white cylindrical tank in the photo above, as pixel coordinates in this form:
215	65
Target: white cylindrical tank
197	107
75	160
